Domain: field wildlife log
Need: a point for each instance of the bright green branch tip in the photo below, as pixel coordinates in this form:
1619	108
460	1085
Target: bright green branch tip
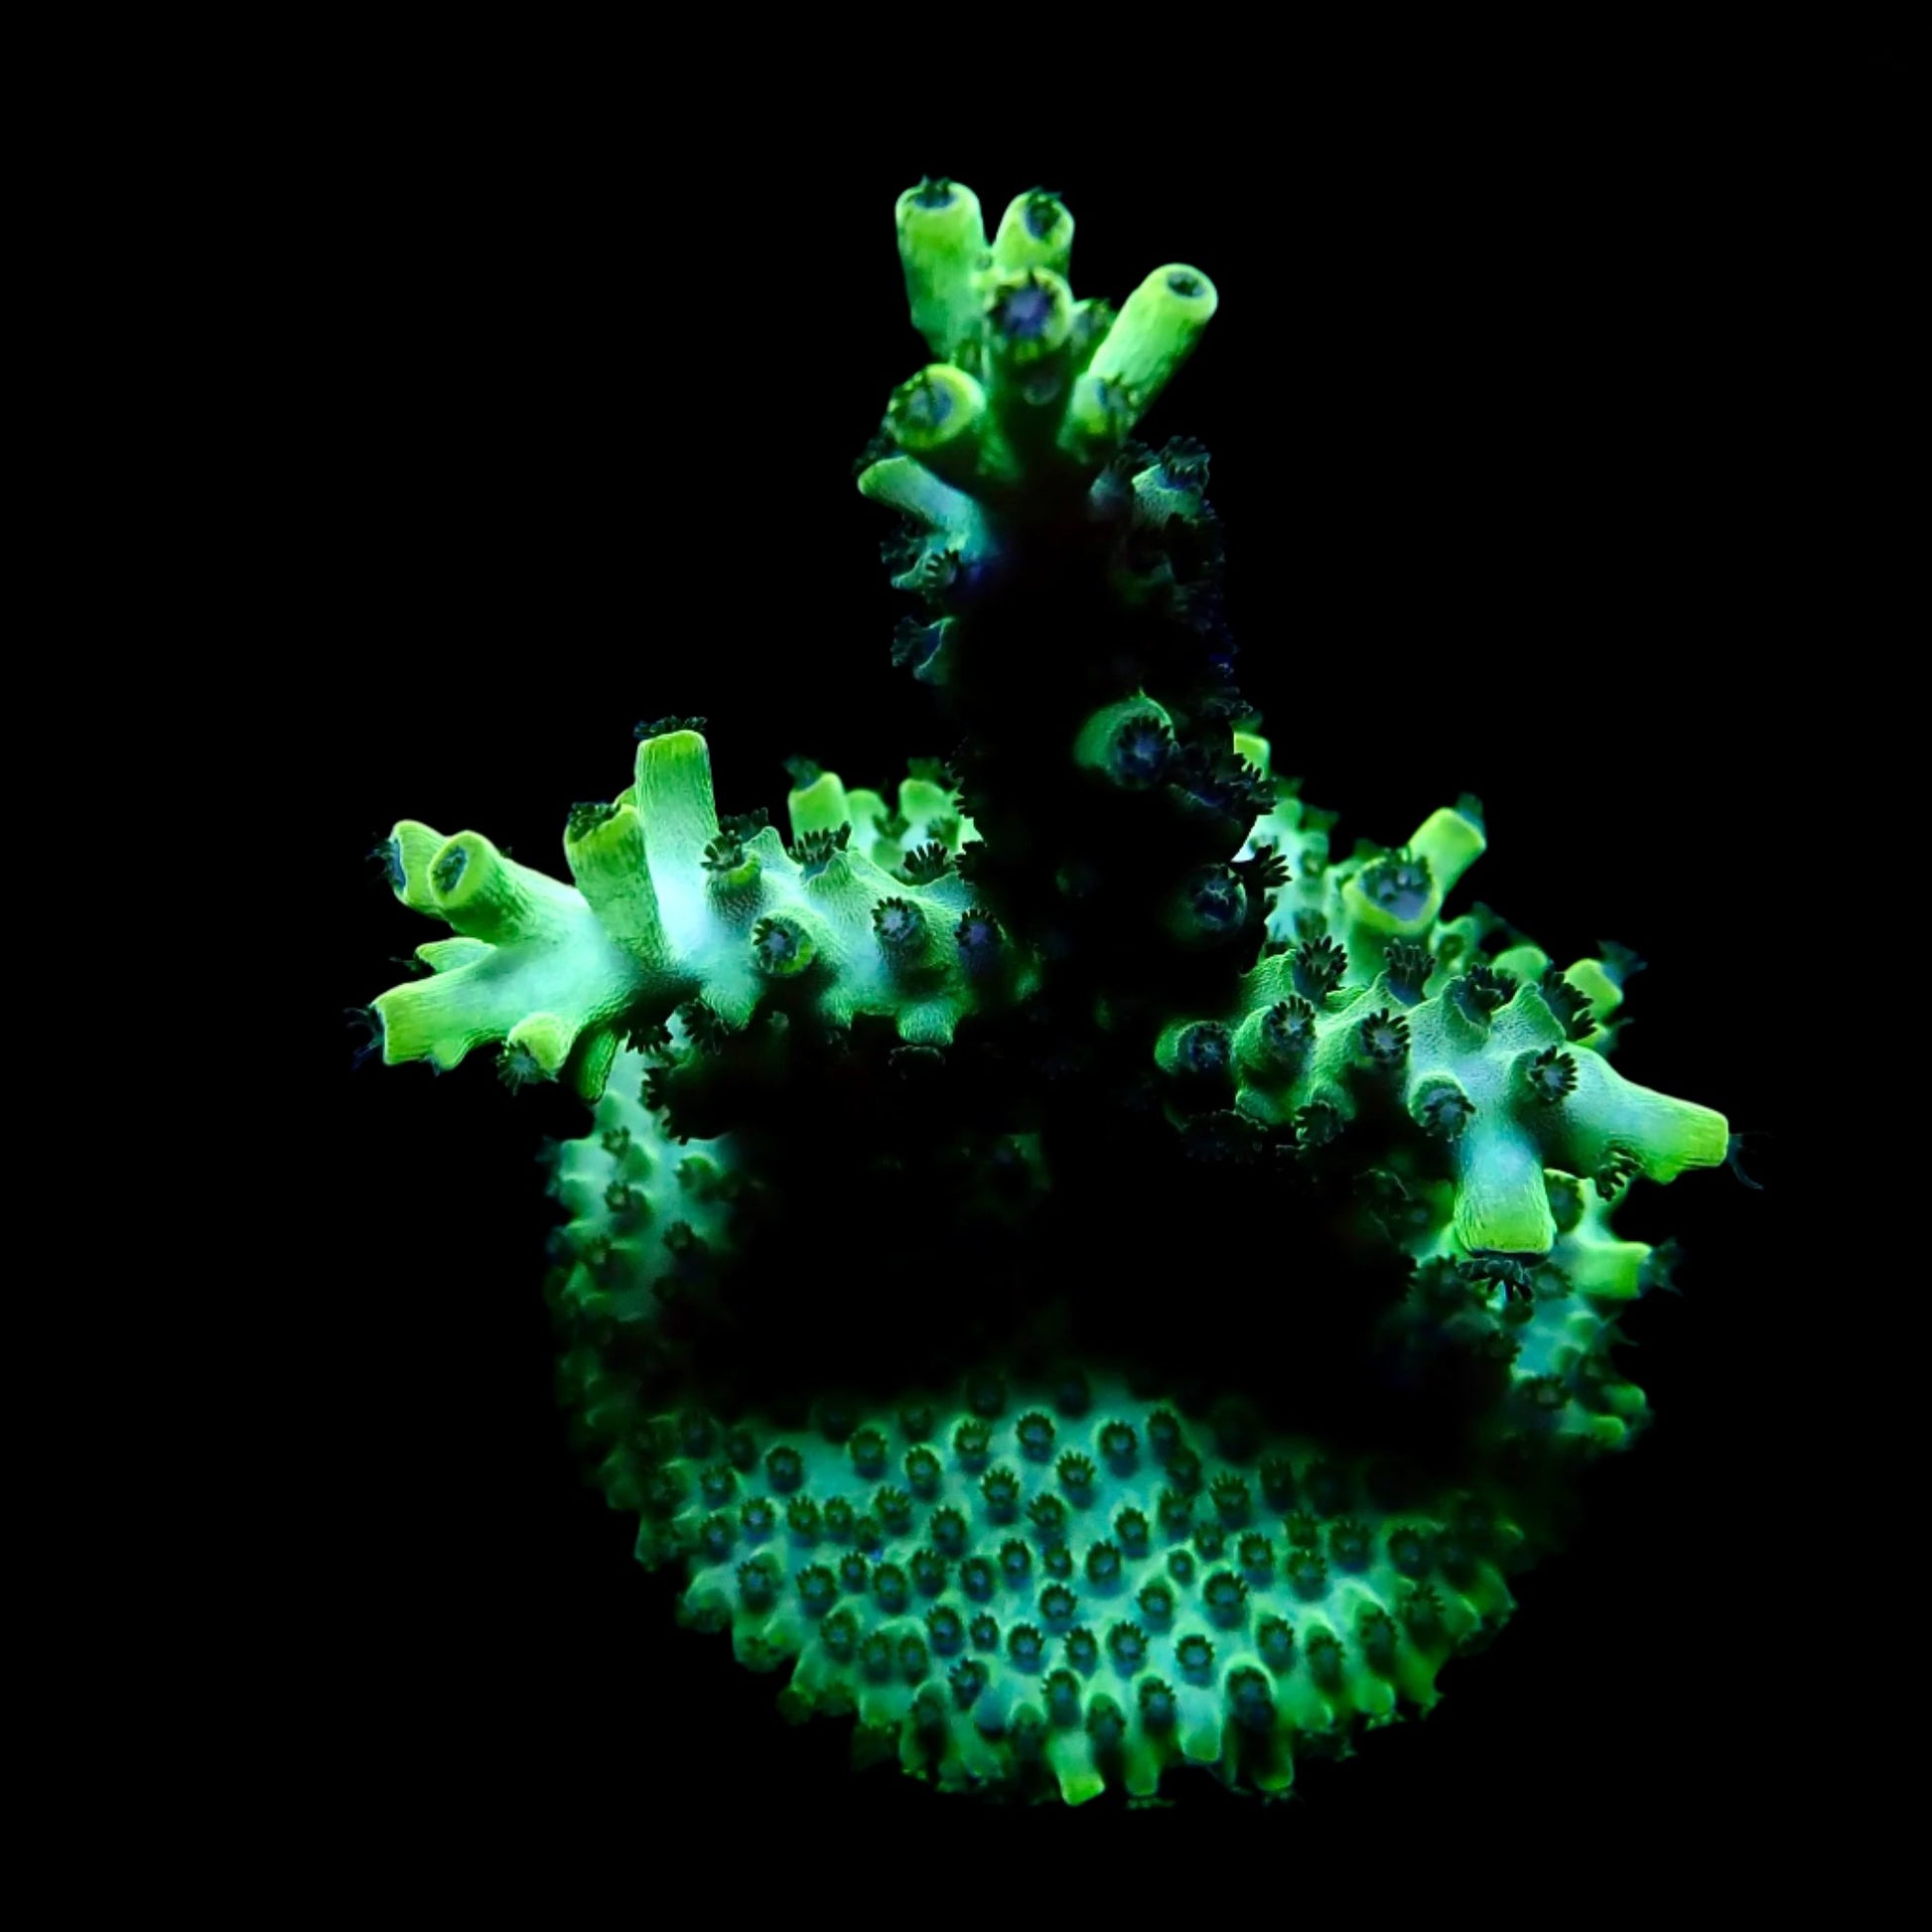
1030	391
667	907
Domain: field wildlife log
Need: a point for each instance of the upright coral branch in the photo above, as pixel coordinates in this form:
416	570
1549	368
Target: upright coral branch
667	910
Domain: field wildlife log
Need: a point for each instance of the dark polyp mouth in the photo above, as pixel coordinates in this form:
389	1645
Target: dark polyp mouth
1385	1037
935	191
926	405
1141	750
1401	886
1218	900
585	818
1288	1029
1204	1047
1113	399
1183	462
450	870
896	921
1552	1075
777	945
1185	283
1041	214
977	937
1318	967
1444	1110
1025	313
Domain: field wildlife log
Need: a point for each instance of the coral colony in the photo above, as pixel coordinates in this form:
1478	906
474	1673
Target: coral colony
1081	1275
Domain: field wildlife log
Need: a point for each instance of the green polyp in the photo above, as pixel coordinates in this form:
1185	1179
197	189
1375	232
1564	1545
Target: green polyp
1450	843
564	965
1257	750
940	417
1167	1045
1100	415
1609	1114
1593	980
435	1020
934	408
902	932
1441	1108
546	1038
1267	1047
1543	1077
1463	1022
1599	1265
782	948
819	807
1210	908
737	883
1092	317
675	798
1094	745
1525	963
445	955
479	892
941	248
412	846
612	872
1036	232
591	1059
920	802
1502	1204
868	812
906	486
835	887
1156	331
1369	917
1526	1019
1029	317
529	945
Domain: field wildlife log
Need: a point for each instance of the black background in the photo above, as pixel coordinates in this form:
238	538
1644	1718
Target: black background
1506	455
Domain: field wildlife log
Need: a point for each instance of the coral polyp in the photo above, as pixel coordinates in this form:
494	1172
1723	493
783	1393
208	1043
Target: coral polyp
895	1281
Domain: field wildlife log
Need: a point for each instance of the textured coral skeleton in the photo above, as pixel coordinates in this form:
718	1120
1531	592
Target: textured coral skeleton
1022	1481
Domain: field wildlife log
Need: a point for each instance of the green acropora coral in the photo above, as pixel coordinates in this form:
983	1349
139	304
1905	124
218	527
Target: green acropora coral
895	1285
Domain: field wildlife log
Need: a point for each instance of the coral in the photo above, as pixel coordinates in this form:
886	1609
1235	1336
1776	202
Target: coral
1078	1652
670	907
890	1288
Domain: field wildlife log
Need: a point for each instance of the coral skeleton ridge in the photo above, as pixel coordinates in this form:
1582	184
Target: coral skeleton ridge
886	1283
